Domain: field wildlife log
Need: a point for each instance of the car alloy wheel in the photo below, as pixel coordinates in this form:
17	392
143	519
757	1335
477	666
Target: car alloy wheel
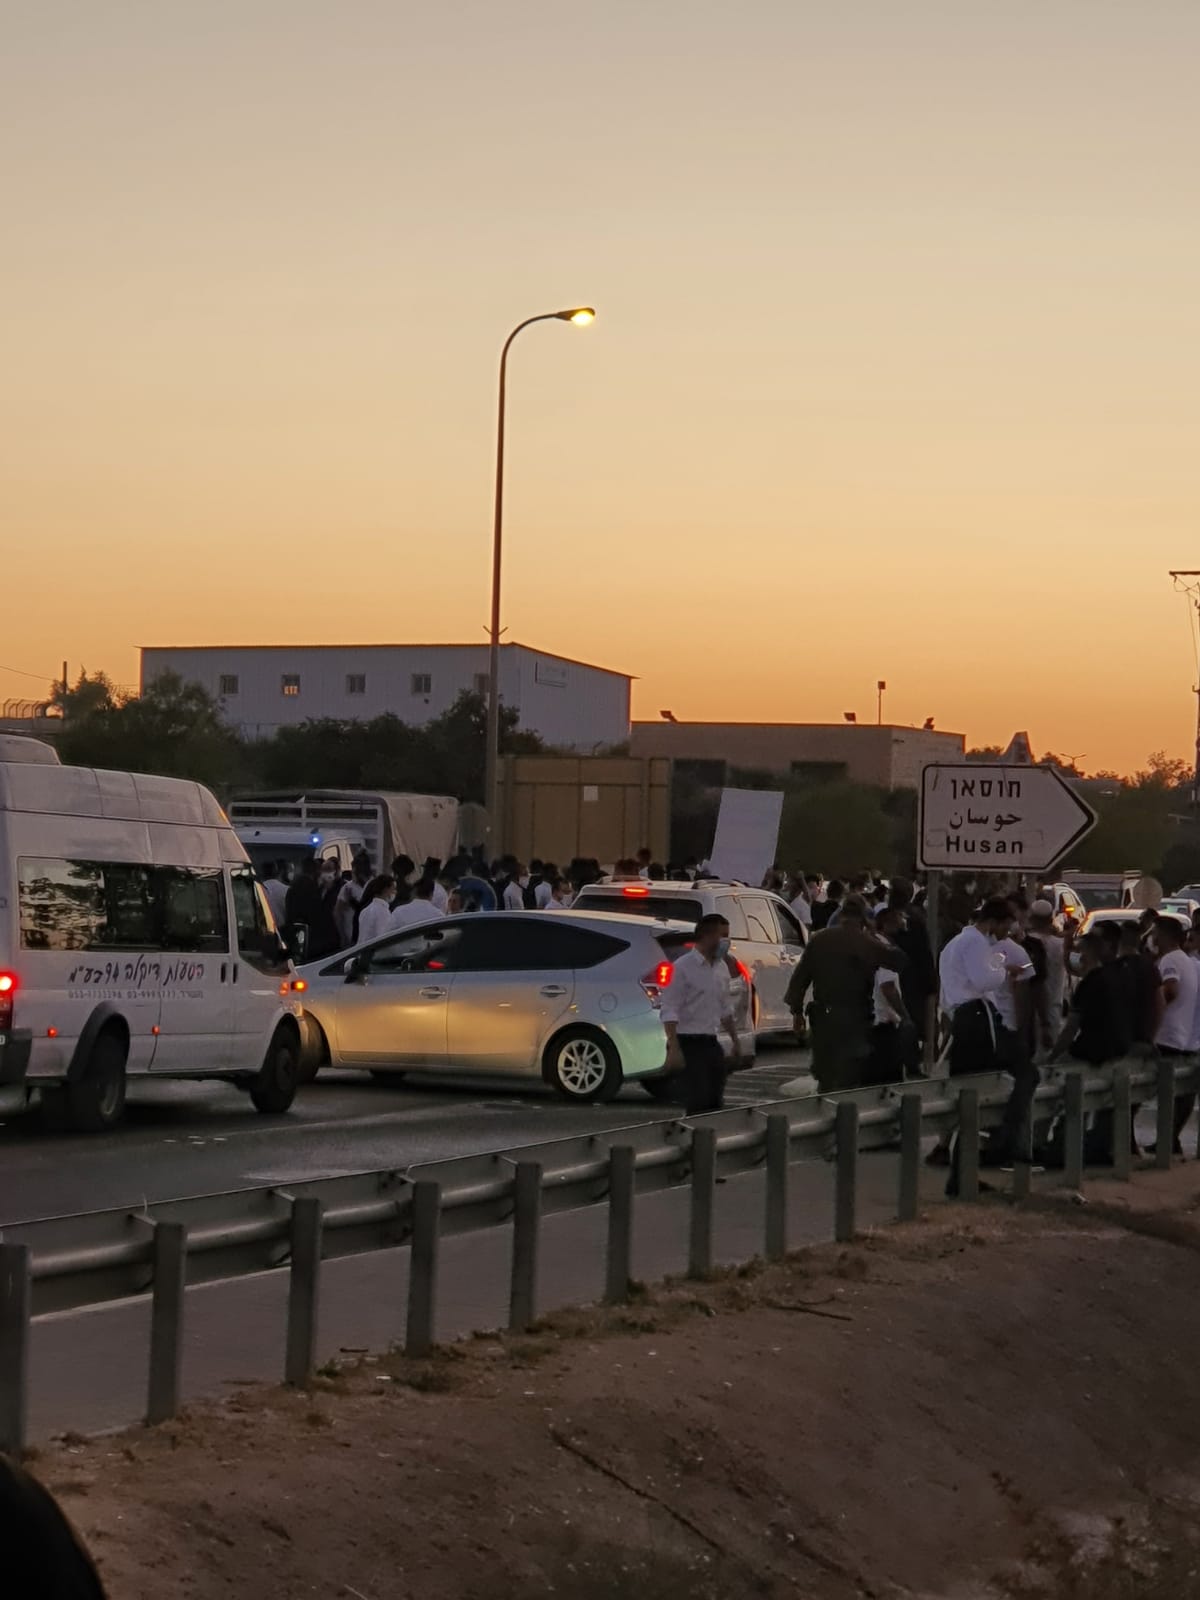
583	1065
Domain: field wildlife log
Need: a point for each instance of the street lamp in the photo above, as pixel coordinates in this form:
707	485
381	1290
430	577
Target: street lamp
580	316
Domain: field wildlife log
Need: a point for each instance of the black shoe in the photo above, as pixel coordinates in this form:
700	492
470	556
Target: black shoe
1176	1150
939	1156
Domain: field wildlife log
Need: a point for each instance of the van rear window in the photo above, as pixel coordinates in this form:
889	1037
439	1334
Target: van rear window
662	907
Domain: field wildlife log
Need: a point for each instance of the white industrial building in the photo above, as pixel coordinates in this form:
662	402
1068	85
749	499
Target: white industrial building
264	687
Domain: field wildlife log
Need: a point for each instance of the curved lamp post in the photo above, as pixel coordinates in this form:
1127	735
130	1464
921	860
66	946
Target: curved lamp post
580	316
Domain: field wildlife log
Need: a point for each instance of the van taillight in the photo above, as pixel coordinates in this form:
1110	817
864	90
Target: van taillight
8	992
658	979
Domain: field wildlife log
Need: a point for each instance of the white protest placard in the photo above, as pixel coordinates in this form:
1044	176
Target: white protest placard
747	834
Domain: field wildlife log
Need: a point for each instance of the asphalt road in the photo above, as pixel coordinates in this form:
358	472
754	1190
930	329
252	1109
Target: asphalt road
202	1138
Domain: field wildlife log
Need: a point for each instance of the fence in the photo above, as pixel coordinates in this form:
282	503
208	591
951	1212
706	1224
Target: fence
61	1263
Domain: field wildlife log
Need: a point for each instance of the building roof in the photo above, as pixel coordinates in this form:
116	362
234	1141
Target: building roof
867	727
397	644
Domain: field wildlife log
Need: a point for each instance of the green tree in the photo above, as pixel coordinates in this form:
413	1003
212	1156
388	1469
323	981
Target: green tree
173	728
89	694
838	827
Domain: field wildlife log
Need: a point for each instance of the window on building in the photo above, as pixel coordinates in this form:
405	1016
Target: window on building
422	683
356	683
289	684
483	683
229	683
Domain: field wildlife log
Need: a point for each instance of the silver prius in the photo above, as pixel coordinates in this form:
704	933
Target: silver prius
571	997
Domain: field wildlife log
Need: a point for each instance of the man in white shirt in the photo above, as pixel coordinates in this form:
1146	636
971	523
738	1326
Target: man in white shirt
561	896
349	898
543	892
801	902
514	892
275	890
973	973
696	1006
412	913
1179	985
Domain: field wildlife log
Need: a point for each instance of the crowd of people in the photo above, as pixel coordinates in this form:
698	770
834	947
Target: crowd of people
1014	989
343	909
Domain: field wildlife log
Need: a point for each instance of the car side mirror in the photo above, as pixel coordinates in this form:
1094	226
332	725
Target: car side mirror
295	941
356	968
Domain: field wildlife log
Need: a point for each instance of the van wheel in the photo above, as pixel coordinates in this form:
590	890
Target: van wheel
274	1087
95	1101
316	1056
583	1066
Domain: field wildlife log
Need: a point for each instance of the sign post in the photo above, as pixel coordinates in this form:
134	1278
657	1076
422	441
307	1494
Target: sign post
997	818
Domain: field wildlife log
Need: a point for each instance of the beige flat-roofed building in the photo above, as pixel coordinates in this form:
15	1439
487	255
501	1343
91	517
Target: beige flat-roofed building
888	756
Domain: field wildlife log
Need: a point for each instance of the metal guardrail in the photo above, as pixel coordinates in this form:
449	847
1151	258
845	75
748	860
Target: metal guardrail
68	1262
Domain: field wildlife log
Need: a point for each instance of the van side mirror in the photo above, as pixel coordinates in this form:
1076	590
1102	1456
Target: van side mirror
356	968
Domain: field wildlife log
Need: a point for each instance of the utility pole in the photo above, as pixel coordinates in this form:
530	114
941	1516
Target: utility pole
1188	583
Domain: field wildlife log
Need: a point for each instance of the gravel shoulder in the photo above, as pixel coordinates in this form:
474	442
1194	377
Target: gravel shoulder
987	1403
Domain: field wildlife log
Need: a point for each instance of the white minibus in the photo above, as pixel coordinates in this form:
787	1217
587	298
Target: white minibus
134	941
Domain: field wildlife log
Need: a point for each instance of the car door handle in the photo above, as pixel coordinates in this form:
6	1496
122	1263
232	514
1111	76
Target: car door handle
433	993
553	991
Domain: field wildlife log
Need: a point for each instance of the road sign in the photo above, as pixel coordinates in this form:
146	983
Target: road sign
1019	818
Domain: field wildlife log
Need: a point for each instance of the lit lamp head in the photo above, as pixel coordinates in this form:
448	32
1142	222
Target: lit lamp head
580	316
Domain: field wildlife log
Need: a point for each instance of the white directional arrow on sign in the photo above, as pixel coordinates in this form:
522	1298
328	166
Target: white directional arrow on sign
1023	818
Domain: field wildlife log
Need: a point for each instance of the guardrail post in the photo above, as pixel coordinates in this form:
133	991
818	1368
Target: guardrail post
845	1218
527	1221
1073	1130
304	1289
16	1284
910	1157
619	1258
968	1144
1122	1124
704	1180
166	1321
1165	1136
423	1267
778	1150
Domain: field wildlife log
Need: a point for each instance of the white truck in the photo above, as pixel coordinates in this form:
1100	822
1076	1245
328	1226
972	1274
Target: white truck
338	823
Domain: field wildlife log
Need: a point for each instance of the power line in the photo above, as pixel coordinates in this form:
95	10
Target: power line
43	677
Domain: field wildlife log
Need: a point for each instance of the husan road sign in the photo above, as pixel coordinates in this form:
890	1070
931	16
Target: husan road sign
1025	818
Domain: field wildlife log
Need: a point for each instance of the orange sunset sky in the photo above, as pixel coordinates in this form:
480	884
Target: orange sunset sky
894	373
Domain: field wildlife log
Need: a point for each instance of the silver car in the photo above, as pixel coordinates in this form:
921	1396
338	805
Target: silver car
567	996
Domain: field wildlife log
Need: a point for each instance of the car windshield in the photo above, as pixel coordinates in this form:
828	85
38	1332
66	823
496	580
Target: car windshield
1098	899
662	907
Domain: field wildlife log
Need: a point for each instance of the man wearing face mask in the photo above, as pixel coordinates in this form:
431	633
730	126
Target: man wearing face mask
696	1007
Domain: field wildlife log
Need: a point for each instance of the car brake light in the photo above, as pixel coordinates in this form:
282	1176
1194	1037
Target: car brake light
635	891
299	985
8	990
743	972
658	979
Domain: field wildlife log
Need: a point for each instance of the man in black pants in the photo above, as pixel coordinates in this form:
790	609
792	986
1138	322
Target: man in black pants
973	970
695	1009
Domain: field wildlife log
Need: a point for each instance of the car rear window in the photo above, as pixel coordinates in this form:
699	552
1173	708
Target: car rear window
662	907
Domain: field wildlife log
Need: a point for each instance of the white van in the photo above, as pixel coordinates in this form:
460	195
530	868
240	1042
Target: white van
134	940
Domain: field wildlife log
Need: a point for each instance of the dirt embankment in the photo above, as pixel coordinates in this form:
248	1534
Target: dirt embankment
986	1404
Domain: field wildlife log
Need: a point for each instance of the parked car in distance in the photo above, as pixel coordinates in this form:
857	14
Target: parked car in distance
765	934
1190	891
1185	905
570	997
1127	914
